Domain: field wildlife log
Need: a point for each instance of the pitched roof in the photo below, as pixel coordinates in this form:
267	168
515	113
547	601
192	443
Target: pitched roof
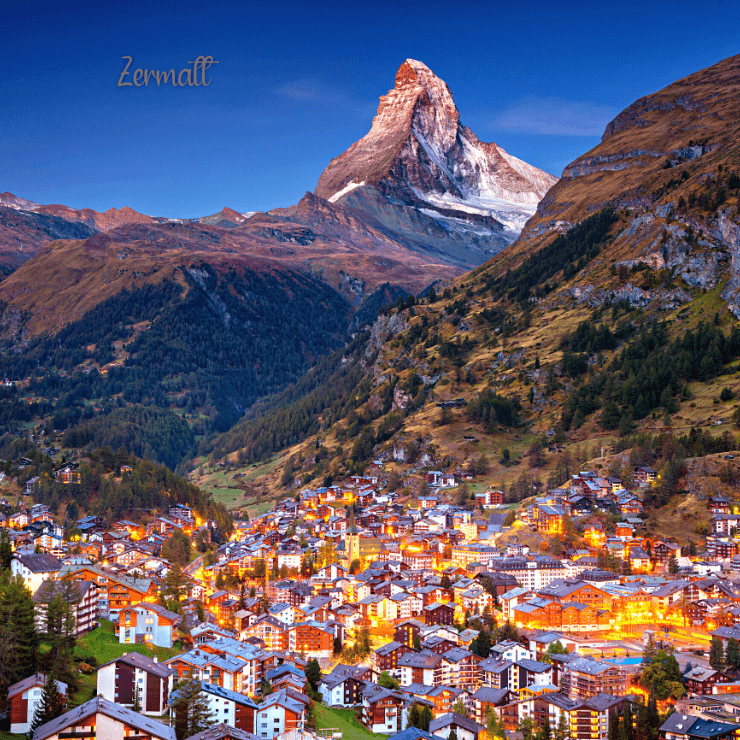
37	679
98	705
144	663
39	562
452	718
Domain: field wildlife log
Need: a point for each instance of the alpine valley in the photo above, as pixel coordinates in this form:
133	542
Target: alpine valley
434	303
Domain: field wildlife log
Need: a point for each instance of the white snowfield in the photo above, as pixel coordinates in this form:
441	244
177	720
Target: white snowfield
346	189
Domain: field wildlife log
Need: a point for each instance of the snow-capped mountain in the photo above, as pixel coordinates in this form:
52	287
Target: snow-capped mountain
20	204
417	155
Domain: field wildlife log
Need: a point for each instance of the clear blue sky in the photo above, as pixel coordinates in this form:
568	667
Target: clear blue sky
297	83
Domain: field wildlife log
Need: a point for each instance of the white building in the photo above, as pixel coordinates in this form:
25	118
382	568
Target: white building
34	568
120	680
24	698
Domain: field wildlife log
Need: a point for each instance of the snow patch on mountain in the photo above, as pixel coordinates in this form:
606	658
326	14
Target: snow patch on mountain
346	189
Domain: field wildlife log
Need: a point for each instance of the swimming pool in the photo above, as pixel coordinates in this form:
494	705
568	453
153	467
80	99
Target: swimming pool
623	661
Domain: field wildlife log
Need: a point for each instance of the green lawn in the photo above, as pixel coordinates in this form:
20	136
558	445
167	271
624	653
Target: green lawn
344	720
103	644
231	498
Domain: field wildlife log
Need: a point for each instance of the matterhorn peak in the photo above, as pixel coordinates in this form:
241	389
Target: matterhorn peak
417	153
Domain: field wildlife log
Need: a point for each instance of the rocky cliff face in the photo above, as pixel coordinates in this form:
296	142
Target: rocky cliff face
669	162
469	198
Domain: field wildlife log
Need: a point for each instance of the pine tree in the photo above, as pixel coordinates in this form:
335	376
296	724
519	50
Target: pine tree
649	652
672	565
546	732
337	645
732	658
653	719
313	674
6	552
61	629
614	727
717	654
191	709
19	640
51	705
425	719
627	722
481	645
562	731
414	716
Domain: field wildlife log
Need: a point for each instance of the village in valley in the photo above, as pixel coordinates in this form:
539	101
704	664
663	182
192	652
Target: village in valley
347	611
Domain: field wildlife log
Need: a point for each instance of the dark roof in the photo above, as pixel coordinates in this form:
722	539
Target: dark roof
39	562
48	590
419	660
412	733
144	663
223	732
603	701
452	718
686	724
37	679
533	666
492	696
108	708
388	648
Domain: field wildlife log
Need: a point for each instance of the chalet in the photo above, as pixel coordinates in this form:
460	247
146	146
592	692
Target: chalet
460	669
341	689
423	668
486	698
68	474
102	718
463	727
147	623
439	613
489	499
726	523
721	547
584	678
443	697
279	712
663	551
548	519
719	505
311	638
386	657
688	727
115	592
644	475
407	631
121	679
35	568
702	680
24	698
383	711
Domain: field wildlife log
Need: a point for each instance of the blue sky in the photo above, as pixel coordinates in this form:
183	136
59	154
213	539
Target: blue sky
298	82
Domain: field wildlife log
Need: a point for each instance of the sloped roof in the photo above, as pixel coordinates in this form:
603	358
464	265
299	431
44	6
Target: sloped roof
98	705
